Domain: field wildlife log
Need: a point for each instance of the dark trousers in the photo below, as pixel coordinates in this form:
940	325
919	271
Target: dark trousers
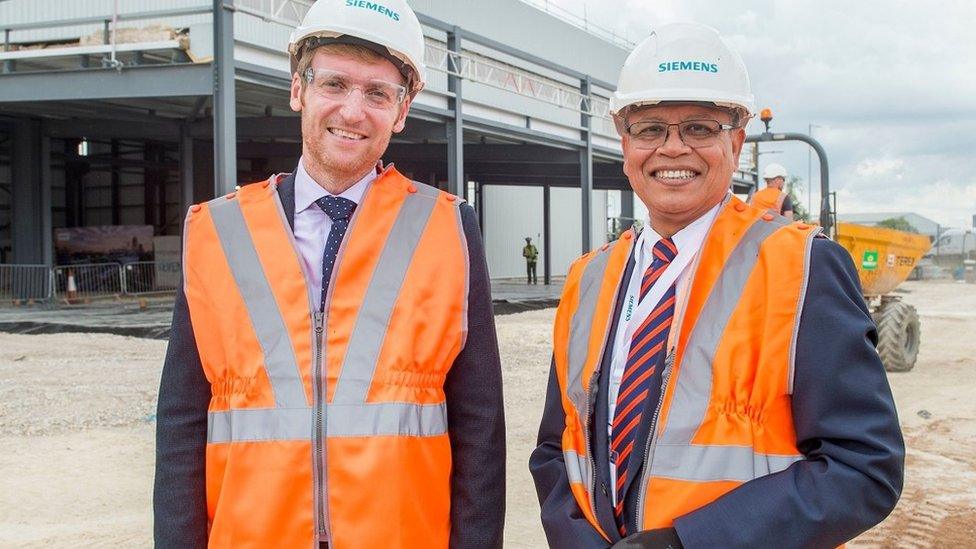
530	271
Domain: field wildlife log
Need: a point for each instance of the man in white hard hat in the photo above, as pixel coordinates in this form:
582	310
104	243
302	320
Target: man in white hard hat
706	391
773	198
333	378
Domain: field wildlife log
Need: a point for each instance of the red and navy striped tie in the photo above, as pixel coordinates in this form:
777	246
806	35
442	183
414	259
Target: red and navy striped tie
641	381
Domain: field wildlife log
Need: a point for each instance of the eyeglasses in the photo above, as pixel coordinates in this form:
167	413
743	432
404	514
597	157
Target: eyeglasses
337	86
651	134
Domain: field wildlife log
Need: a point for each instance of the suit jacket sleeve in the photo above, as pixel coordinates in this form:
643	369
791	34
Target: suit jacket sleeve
179	497
475	414
562	519
846	427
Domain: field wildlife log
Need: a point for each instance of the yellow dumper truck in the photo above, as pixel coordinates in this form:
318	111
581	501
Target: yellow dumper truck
884	258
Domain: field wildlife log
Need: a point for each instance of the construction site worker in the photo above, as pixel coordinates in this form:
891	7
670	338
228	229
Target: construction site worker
531	255
706	390
773	198
333	378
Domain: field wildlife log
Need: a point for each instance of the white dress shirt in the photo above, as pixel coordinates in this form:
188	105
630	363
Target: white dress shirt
312	225
689	241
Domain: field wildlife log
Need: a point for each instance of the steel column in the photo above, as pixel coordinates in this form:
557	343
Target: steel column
225	115
546	233
186	167
47	230
455	126
586	169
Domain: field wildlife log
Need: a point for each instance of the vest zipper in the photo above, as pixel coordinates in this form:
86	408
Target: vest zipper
652	440
321	486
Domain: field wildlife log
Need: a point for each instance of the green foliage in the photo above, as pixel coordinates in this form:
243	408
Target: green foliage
800	212
898	224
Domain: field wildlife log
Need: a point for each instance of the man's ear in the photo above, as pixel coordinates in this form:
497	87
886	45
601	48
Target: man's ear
401	120
295	102
738	138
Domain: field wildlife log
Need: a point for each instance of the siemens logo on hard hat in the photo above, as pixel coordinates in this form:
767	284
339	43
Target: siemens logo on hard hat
378	8
700	66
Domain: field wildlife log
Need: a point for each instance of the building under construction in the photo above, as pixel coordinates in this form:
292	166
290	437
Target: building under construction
123	113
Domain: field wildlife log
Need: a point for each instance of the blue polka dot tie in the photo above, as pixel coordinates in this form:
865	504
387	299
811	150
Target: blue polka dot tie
339	211
641	381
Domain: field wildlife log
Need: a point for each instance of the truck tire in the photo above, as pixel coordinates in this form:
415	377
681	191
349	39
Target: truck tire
899	335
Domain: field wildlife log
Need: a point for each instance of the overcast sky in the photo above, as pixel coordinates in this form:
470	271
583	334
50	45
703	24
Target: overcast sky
891	86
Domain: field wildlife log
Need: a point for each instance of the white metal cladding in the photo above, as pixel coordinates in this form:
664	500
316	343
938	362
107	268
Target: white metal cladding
495	80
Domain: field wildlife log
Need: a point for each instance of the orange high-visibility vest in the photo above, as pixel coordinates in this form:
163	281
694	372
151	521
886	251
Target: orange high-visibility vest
725	415
770	199
328	427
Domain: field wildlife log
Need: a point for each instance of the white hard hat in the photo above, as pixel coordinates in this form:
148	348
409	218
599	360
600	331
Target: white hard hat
392	25
773	171
683	62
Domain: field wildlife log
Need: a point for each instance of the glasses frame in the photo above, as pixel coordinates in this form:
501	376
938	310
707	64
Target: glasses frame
360	85
667	132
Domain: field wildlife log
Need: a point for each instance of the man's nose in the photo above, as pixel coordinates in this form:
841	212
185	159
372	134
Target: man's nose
673	145
353	107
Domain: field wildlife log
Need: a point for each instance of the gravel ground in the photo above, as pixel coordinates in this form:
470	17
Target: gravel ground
76	432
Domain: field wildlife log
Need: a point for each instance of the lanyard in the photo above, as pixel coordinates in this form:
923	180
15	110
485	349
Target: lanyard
633	313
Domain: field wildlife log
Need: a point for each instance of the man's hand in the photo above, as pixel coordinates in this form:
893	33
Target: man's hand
662	538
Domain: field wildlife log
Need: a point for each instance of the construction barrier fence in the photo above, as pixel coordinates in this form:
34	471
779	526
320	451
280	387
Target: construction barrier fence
69	284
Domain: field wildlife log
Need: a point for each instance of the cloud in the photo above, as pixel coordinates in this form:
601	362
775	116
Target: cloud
892	87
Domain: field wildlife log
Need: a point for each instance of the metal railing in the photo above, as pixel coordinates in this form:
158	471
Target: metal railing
150	277
85	282
25	283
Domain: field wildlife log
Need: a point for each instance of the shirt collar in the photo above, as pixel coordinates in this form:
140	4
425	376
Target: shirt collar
307	191
688	239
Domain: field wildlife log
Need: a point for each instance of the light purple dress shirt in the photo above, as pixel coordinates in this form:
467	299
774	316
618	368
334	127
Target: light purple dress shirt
312	225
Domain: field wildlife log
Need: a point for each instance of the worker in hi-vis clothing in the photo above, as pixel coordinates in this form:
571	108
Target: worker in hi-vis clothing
773	198
333	378
531	255
714	379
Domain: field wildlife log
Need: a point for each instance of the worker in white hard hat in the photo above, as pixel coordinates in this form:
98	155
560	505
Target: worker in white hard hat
706	390
773	198
333	377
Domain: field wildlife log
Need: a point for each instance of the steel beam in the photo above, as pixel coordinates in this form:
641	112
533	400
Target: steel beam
455	126
586	170
149	81
225	115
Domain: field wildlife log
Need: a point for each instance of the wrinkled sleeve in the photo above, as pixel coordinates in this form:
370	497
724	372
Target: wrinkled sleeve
179	495
475	414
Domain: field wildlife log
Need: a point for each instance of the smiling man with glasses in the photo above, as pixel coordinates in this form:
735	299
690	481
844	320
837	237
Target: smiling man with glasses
333	378
714	380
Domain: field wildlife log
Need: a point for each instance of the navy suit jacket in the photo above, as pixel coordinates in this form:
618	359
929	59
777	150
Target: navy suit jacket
475	414
846	427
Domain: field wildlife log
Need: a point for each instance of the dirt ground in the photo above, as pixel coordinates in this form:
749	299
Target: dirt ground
76	432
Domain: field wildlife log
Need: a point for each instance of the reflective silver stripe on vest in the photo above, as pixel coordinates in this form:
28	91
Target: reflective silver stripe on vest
674	456
372	322
577	468
373	419
579	327
715	463
693	388
280	362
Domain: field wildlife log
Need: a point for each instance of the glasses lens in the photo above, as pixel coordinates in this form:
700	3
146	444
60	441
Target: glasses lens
697	133
651	134
337	86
